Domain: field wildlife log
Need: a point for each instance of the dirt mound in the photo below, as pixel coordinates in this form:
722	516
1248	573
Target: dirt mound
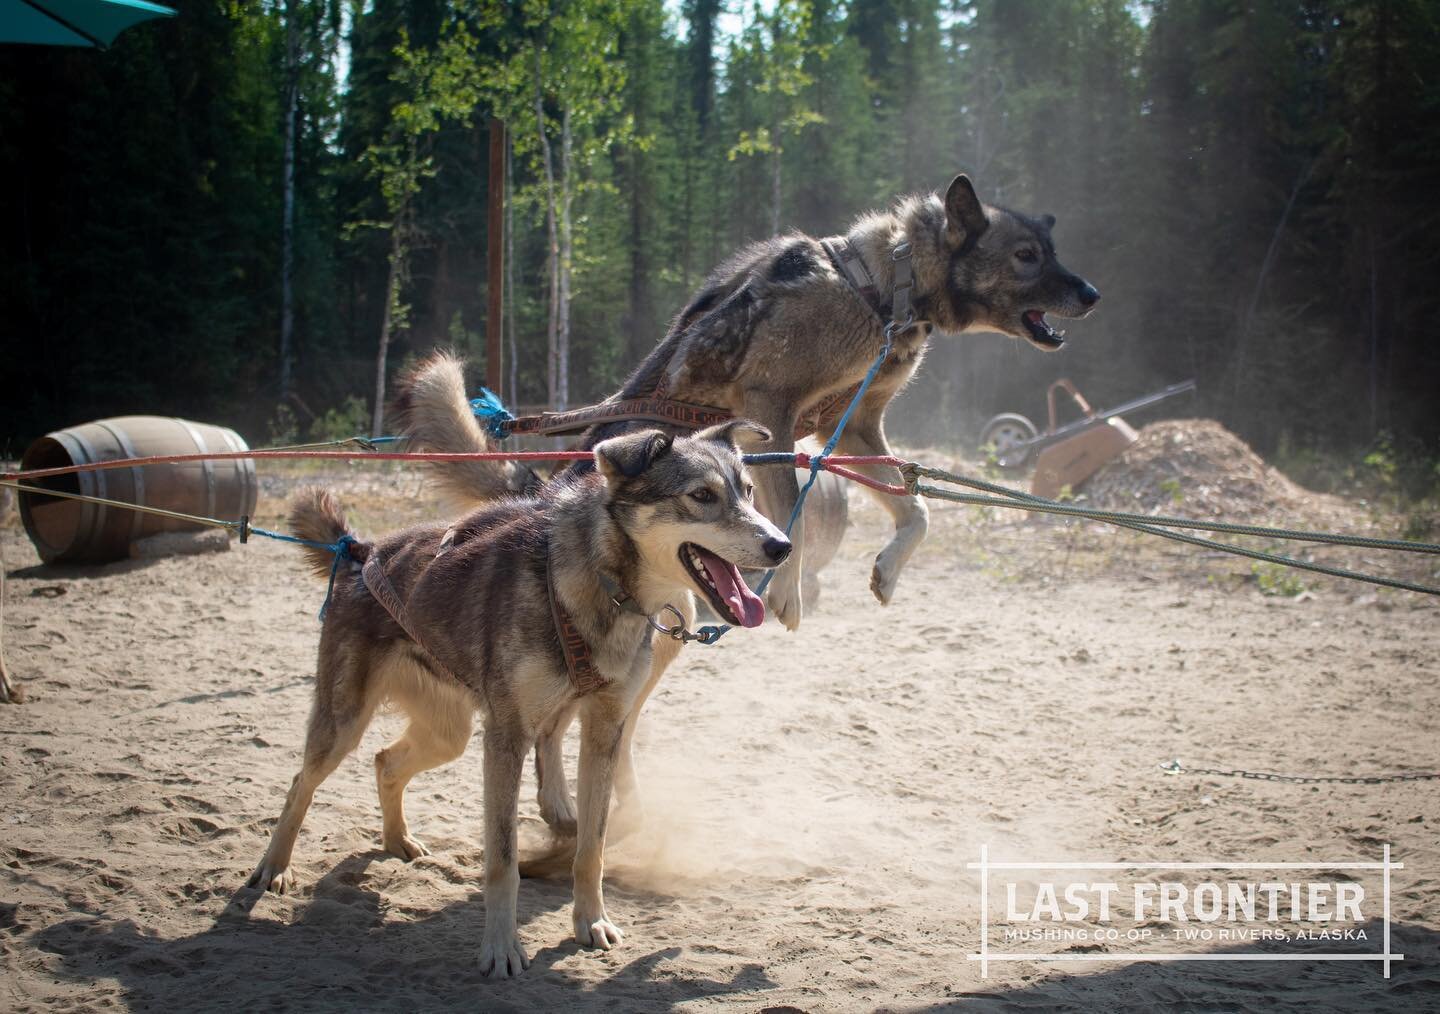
1196	468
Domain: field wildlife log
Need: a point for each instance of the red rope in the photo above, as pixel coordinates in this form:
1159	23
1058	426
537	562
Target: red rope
835	463
802	460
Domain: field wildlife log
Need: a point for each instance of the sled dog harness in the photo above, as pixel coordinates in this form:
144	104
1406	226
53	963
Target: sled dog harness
377	583
659	407
585	676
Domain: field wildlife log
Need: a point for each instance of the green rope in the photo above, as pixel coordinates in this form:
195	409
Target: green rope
1228	527
1015	499
366	443
341	548
159	511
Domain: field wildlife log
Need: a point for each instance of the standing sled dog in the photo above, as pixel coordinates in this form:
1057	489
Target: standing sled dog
524	609
781	334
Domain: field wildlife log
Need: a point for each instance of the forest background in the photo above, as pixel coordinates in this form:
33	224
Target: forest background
227	214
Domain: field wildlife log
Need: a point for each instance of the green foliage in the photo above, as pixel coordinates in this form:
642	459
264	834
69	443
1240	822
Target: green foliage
349	419
283	428
1421	525
1382	461
1273	579
1171	488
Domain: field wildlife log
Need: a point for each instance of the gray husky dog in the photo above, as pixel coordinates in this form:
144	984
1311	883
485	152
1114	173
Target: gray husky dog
779	329
475	624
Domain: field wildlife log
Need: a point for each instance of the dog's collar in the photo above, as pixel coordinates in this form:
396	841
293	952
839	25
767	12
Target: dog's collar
619	595
852	268
627	602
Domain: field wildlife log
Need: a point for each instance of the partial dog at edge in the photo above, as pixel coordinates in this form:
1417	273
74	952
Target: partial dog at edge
662	517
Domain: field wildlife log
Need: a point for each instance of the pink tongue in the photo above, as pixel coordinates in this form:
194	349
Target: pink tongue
743	602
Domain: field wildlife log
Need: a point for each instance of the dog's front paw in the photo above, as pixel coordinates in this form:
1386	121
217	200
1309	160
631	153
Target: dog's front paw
596	931
270	877
784	597
402	846
502	957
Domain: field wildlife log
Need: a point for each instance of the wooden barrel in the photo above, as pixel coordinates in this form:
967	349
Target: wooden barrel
76	531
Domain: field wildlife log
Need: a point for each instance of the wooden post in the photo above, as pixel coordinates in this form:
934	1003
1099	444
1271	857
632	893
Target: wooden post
495	260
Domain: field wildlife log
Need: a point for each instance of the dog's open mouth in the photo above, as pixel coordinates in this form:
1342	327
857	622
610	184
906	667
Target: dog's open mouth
723	587
1041	333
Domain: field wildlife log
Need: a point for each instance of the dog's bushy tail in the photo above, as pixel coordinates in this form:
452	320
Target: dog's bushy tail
316	515
432	412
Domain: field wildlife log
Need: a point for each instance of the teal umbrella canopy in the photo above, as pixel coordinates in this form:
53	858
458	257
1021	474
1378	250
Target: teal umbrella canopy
73	22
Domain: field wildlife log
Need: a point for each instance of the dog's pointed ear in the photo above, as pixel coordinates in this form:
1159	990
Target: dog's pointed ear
625	457
964	214
737	433
1048	221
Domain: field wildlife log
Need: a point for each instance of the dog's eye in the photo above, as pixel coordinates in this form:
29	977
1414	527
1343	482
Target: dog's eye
703	496
1026	256
749	491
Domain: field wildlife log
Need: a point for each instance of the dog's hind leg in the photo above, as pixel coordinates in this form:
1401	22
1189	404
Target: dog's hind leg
865	436
557	806
332	734
501	954
439	730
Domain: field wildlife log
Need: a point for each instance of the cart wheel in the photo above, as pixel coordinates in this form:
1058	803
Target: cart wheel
1009	434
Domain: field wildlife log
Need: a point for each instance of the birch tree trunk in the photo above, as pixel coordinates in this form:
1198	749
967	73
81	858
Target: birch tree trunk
775	185
287	228
1248	322
510	271
553	247
567	259
387	320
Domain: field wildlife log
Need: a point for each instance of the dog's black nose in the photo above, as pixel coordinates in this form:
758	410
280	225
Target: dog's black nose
1089	295
777	549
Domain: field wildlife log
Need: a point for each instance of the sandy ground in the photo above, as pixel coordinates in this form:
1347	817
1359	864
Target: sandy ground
813	798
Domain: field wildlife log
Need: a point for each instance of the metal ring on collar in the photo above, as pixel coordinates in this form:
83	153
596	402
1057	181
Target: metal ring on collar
678	632
899	327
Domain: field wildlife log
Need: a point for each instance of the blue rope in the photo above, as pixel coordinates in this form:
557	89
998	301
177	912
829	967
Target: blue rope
711	634
769	458
341	549
491	411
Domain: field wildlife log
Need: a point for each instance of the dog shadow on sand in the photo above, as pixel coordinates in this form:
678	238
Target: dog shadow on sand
339	951
1340	986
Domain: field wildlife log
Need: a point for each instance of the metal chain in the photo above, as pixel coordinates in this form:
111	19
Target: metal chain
1174	767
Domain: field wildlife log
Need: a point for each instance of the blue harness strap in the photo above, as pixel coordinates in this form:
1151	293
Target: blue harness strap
901	319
